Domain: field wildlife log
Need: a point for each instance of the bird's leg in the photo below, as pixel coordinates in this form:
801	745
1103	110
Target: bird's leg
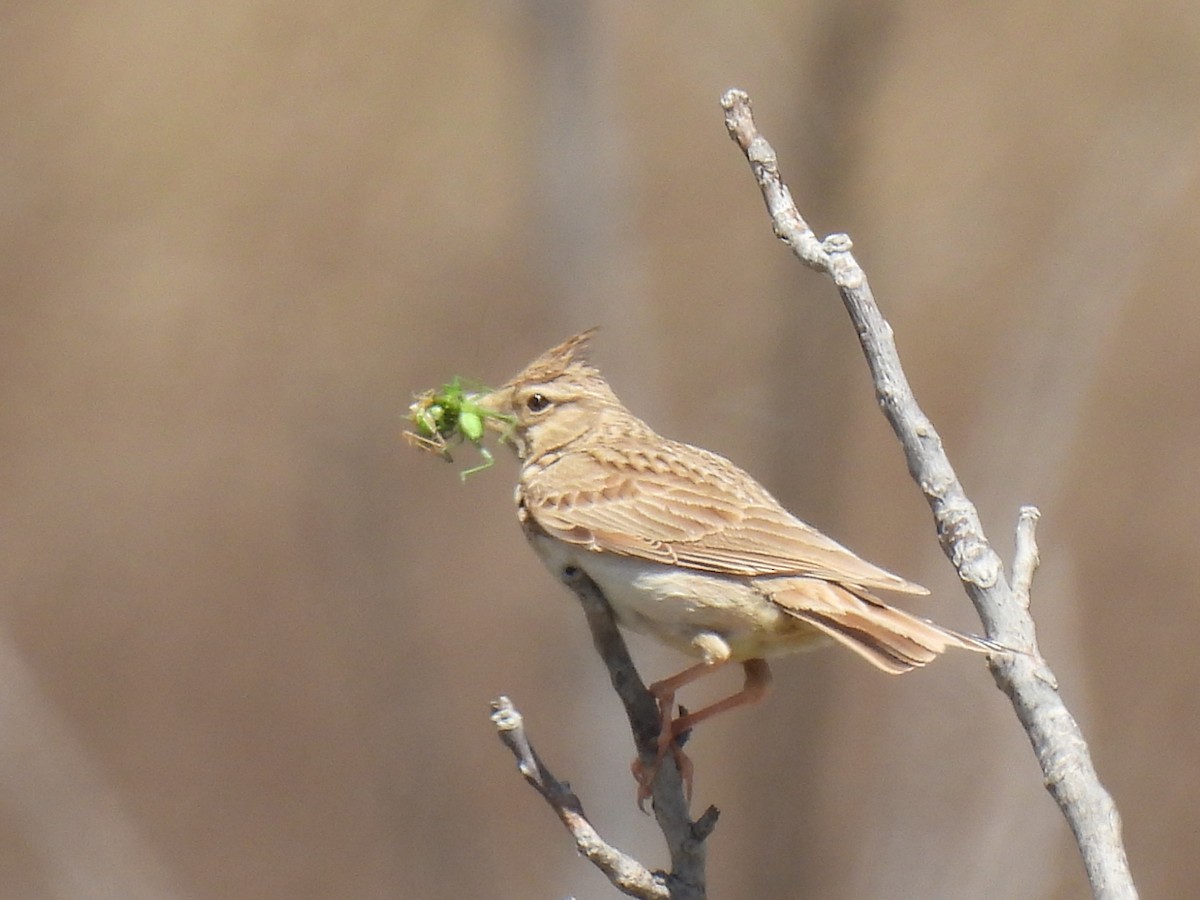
663	693
757	683
756	686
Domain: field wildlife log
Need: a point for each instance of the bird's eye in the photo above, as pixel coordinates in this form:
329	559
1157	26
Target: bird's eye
537	402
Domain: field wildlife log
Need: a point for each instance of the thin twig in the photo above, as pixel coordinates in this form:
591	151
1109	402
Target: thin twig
1056	738
1025	554
626	874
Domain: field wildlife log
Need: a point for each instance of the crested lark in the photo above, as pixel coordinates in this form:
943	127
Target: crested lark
687	547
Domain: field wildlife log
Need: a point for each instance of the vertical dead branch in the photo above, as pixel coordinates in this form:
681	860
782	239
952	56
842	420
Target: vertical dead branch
1003	607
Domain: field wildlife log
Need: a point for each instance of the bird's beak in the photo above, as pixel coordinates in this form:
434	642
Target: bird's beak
496	404
497	407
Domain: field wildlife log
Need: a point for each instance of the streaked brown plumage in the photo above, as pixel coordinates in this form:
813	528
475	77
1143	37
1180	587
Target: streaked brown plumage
686	546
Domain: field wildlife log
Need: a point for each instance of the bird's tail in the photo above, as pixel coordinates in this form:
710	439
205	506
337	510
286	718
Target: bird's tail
889	638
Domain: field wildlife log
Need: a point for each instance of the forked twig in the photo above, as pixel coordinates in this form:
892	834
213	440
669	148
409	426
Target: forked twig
685	837
626	873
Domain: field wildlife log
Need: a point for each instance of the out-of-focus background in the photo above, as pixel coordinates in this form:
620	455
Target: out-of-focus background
248	638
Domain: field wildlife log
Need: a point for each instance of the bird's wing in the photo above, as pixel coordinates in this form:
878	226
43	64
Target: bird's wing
684	506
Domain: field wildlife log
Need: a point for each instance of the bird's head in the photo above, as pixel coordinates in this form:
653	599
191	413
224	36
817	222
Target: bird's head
558	398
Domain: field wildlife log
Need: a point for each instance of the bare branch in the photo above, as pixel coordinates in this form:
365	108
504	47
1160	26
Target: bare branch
685	838
626	874
1024	676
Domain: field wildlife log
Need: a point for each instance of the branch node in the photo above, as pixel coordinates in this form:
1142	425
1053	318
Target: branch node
1045	676
977	563
763	154
837	243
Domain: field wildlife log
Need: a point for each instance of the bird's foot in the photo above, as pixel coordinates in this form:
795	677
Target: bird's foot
672	735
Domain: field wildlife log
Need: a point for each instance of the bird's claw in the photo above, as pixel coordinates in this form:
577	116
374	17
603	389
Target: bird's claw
670	741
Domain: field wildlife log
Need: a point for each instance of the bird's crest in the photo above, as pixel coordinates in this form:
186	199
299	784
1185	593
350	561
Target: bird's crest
570	355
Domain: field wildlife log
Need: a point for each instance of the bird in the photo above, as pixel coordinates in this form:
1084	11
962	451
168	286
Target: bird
687	547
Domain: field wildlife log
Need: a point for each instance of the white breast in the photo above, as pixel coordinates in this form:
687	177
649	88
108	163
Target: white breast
677	605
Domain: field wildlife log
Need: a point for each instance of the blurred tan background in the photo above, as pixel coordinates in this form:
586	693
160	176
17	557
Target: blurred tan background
249	639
